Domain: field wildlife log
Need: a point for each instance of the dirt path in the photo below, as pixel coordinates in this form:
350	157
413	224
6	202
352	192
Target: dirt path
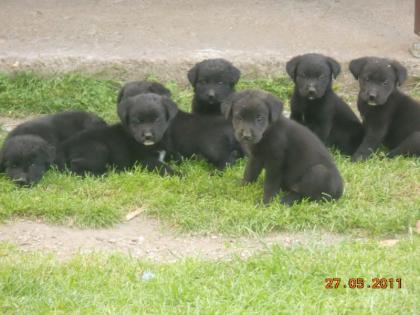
130	39
146	238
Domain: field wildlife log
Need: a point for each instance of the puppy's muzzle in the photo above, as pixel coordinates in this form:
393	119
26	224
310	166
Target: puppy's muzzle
372	98
211	94
311	92
247	135
148	139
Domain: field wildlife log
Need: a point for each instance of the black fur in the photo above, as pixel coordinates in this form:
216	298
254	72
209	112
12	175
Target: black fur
122	145
389	116
294	159
315	105
213	81
185	134
138	87
30	148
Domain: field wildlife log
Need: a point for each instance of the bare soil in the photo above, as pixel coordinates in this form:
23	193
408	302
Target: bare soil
129	39
146	238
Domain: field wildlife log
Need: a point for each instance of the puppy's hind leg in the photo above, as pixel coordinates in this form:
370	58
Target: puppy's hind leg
319	183
409	147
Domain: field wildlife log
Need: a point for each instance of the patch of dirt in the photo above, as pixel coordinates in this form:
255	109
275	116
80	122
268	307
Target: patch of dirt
7	123
146	238
131	39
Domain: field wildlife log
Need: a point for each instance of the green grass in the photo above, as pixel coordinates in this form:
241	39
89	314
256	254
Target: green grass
279	281
382	196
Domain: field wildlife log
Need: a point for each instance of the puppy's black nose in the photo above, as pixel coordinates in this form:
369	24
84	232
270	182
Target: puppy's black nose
211	94
372	97
148	136
246	135
311	91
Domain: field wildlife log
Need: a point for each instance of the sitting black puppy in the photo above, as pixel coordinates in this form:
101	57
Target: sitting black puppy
294	159
30	148
389	116
213	81
185	135
122	145
315	105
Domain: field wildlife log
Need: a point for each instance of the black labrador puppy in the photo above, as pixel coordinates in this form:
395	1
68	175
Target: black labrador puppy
213	81
315	105
185	135
30	148
389	116
122	145
294	159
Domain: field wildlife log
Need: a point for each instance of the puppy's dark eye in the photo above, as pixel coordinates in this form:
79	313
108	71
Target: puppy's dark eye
386	82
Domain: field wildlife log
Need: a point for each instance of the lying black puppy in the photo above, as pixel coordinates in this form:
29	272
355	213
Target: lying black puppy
315	105
30	148
389	116
295	160
120	146
213	80
183	136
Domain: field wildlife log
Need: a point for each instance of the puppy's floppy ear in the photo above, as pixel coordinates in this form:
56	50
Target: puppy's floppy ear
192	74
275	106
227	106
170	107
235	74
291	67
158	88
122	110
400	71
356	66
335	66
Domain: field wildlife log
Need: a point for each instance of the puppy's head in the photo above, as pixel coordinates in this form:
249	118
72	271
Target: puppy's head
252	112
213	80
147	116
312	74
140	87
378	78
26	158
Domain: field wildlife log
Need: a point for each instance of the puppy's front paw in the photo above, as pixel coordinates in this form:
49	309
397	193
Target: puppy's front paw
290	199
243	182
358	157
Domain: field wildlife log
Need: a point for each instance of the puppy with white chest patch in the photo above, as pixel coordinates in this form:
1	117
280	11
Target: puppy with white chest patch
389	116
294	159
315	105
185	135
122	145
213	81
